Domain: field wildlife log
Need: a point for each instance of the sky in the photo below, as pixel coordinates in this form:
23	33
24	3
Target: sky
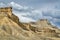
33	10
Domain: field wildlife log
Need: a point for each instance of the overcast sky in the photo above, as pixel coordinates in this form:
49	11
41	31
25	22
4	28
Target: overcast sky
32	10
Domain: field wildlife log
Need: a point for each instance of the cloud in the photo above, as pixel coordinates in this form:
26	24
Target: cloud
18	6
25	19
26	11
15	5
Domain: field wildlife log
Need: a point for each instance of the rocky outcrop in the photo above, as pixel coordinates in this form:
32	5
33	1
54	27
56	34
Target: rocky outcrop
12	29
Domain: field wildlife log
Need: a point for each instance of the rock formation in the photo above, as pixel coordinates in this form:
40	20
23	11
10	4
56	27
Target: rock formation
12	29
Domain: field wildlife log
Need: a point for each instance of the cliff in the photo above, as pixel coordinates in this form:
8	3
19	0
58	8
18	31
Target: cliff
12	29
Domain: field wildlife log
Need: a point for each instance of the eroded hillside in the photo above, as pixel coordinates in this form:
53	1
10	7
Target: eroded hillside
12	29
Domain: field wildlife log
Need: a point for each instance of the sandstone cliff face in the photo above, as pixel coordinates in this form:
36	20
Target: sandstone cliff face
12	29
